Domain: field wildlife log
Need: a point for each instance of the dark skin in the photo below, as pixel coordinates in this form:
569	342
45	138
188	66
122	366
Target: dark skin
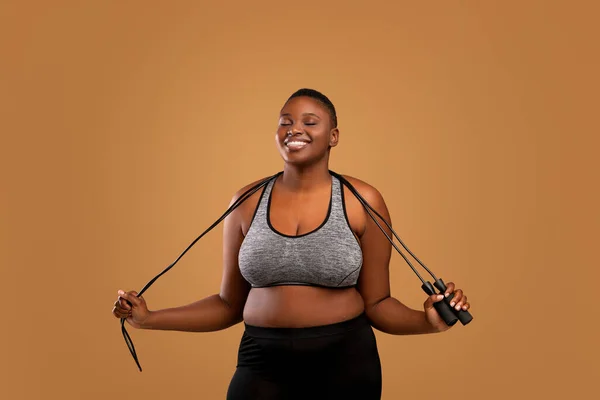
299	205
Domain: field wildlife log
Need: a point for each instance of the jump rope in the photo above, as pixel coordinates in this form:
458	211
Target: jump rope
448	313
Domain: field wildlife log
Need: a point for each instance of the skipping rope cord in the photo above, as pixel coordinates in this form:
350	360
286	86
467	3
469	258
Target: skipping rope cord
449	314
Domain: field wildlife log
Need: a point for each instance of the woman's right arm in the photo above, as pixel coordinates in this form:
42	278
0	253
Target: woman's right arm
213	313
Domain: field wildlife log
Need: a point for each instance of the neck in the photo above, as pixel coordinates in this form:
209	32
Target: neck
305	178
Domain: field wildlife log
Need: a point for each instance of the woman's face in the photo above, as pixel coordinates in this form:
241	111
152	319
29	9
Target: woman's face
305	132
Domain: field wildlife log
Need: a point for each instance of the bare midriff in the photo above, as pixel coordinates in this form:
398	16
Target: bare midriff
294	306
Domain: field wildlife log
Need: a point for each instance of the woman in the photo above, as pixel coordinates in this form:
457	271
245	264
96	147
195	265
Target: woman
306	269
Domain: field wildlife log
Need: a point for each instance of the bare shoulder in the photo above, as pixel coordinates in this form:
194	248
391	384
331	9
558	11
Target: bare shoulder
245	188
369	192
357	215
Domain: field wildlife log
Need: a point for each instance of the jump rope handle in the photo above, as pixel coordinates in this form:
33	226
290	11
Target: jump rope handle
463	315
448	313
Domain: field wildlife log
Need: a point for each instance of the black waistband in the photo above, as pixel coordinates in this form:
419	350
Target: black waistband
311	331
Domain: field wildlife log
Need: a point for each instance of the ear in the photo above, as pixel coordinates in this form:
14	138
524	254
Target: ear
334	137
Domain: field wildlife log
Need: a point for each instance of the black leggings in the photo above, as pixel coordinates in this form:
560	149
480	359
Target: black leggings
337	361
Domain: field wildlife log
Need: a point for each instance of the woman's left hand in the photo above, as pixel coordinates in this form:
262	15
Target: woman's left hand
459	302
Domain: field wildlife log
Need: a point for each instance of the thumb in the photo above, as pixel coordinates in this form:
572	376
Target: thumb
434	298
131	297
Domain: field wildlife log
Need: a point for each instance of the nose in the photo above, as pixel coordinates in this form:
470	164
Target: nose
294	131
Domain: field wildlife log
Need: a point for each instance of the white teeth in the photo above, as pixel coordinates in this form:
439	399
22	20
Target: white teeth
296	143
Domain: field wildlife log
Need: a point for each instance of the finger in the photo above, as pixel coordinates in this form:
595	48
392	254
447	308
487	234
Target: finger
459	304
120	313
434	298
119	310
458	294
122	310
134	295
131	297
466	306
449	288
123	304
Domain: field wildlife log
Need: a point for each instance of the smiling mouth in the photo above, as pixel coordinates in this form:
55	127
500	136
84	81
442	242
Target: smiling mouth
296	144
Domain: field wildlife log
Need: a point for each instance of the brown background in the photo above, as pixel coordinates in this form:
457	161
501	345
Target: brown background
127	126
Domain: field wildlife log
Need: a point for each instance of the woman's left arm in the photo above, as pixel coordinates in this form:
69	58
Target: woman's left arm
385	312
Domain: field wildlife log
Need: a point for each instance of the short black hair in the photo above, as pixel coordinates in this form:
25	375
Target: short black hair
319	97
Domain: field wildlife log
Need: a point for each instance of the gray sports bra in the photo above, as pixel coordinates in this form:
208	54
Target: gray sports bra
329	256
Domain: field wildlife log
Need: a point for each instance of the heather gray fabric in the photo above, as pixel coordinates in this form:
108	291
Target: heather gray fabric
329	256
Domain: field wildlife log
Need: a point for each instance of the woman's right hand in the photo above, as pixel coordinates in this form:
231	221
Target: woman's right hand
131	307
